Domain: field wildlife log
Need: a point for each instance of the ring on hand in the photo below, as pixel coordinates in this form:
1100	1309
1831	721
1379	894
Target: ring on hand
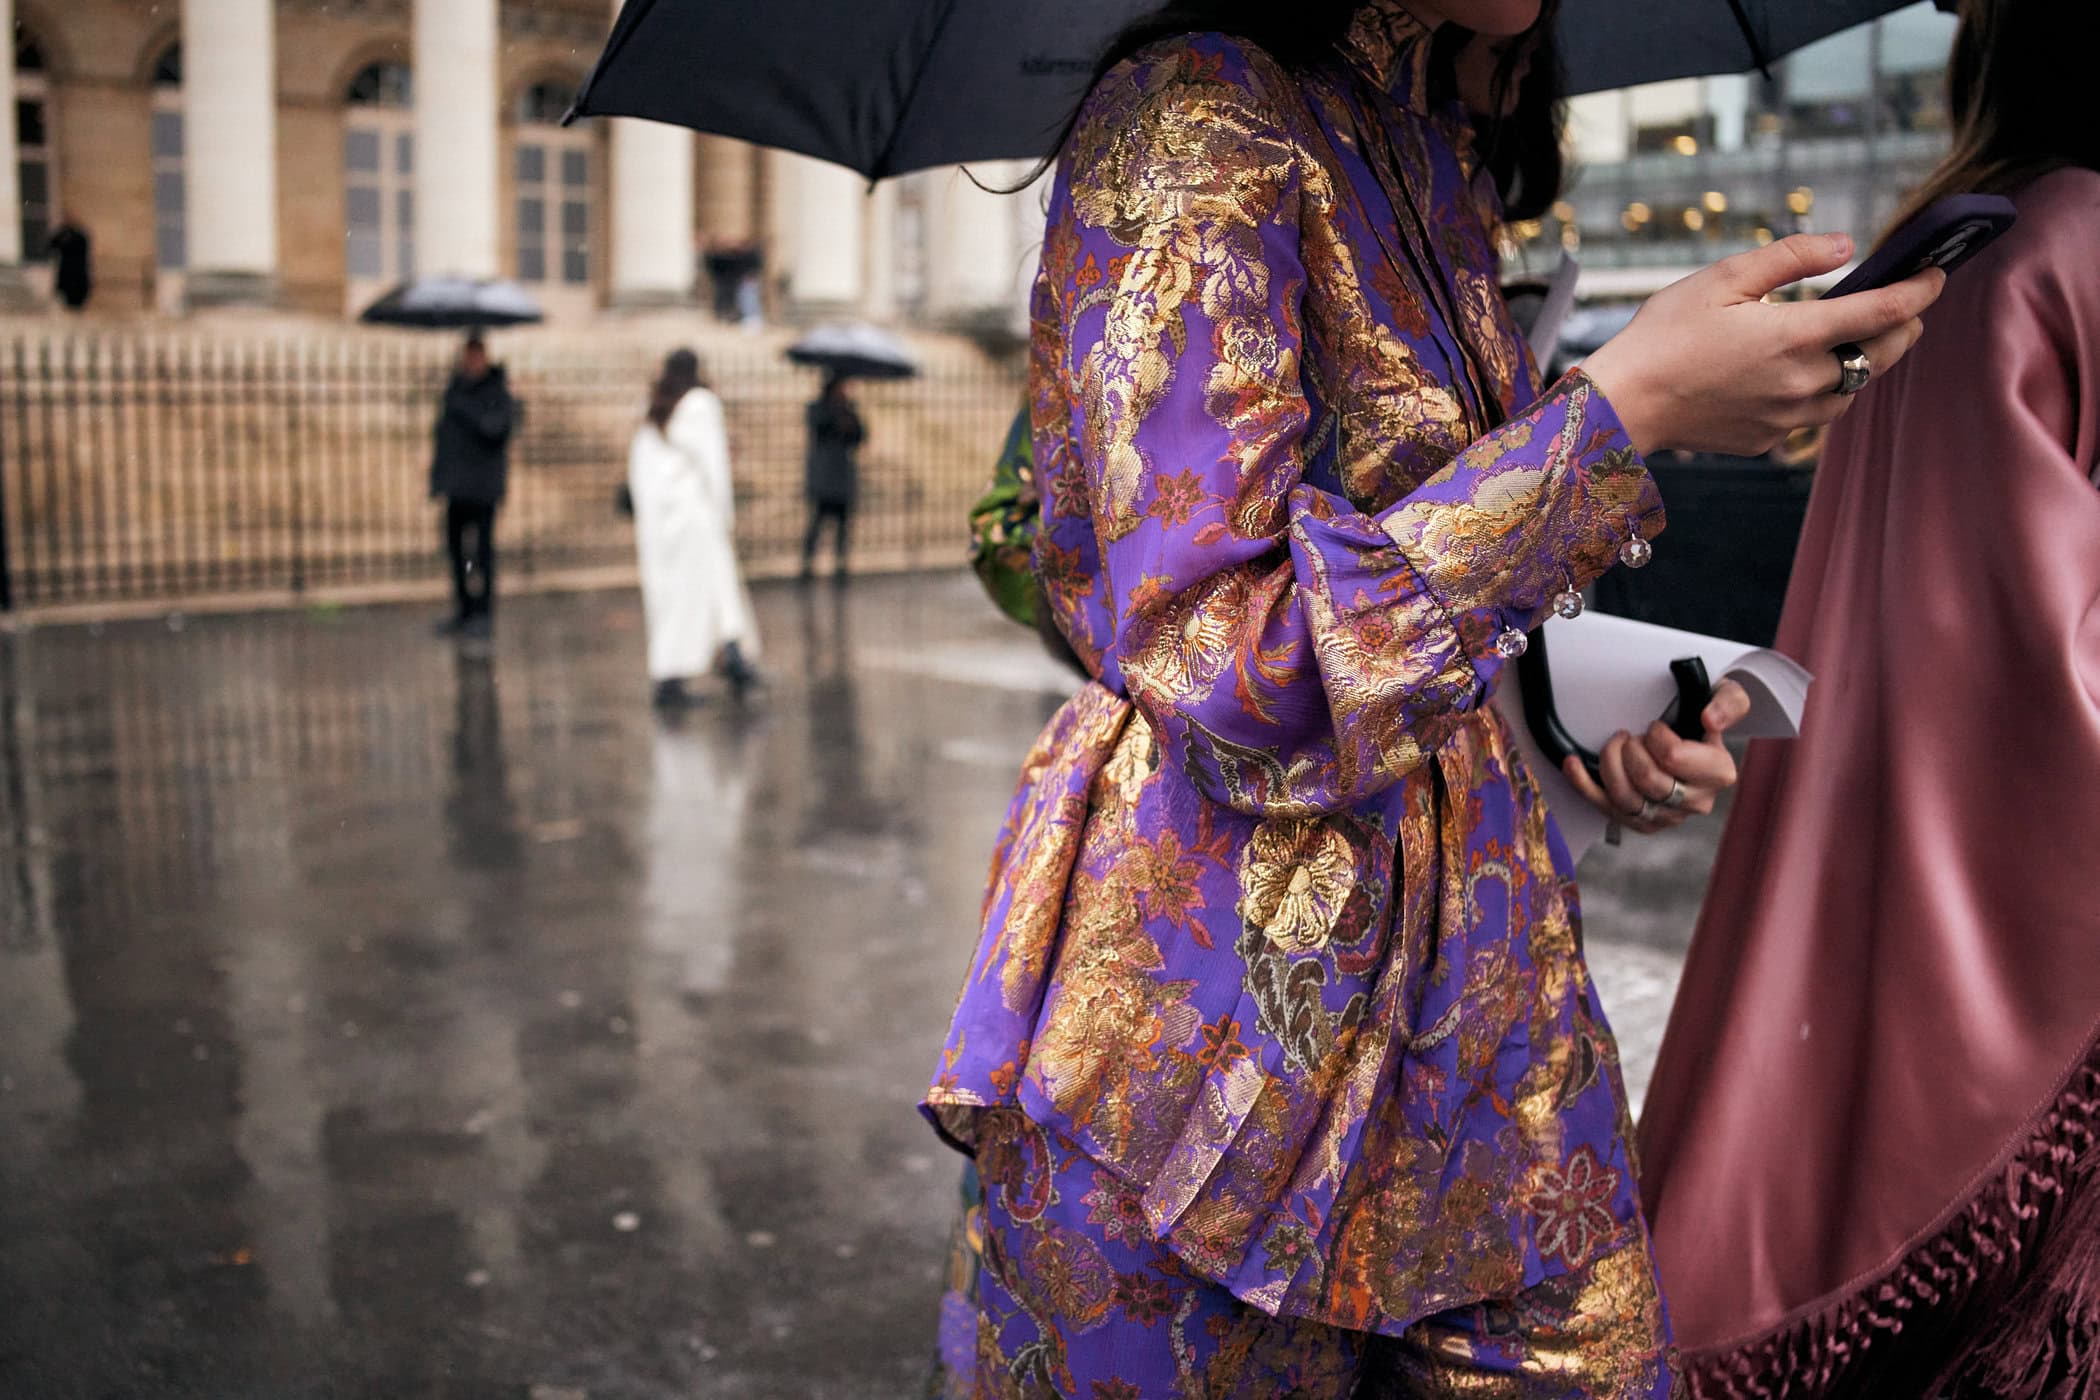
1677	794
1854	369
1648	810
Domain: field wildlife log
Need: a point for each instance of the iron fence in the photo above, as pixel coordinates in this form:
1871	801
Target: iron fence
150	465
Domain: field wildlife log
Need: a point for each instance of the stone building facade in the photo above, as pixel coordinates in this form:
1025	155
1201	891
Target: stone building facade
306	154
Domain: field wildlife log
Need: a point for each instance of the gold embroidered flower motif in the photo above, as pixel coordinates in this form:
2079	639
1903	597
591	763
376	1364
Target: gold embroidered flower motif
1295	875
1119	1209
1129	763
1190	647
1573	1205
1287	1248
1075	1277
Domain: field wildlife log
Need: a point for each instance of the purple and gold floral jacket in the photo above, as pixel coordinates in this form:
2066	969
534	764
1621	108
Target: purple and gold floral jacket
1278	928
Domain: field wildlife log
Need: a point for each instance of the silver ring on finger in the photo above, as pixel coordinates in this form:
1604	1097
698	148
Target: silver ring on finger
1677	794
1854	369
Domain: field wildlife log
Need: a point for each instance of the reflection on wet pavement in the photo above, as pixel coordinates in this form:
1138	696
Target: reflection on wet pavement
376	1022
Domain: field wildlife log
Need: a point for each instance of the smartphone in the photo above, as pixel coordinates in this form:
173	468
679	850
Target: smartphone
1945	234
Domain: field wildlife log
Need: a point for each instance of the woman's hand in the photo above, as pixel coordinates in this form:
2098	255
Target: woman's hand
1643	772
1709	366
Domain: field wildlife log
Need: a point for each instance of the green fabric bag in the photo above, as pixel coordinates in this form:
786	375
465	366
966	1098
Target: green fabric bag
1003	525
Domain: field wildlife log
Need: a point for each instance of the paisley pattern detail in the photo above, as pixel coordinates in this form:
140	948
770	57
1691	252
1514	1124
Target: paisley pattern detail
1279	935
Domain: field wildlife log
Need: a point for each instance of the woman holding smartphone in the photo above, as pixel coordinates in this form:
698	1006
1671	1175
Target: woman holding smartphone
1868	1151
1278	1056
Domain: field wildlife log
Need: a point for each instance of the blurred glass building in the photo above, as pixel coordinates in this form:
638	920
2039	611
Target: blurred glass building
1672	175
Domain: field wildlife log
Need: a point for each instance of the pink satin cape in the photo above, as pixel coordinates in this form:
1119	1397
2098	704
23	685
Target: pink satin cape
1877	1095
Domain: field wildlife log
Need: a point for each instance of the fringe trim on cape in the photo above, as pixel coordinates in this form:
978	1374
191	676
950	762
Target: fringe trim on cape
2002	1301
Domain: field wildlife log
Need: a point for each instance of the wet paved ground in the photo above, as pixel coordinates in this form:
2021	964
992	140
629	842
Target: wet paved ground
376	1022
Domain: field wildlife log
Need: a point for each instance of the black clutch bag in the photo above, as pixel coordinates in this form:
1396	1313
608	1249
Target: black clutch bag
1535	681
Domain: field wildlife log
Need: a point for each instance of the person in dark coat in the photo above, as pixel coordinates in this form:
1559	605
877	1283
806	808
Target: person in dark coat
832	474
469	468
73	251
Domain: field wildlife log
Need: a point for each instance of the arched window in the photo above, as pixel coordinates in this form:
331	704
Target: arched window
554	198
33	146
170	231
379	163
382	85
545	104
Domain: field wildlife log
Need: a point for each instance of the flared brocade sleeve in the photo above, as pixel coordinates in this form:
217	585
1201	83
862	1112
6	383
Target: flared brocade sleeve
1293	653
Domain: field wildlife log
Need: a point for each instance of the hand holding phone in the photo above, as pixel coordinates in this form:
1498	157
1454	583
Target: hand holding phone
1711	364
1945	234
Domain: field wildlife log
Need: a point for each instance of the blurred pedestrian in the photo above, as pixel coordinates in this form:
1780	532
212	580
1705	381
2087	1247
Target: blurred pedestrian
751	302
693	597
832	473
469	470
729	266
1871	1151
73	253
1279	1057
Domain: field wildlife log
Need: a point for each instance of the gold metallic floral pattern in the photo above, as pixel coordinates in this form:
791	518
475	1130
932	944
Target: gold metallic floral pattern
1295	874
1279	936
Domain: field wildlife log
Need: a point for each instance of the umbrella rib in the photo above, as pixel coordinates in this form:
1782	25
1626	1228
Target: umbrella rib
630	20
1757	49
911	96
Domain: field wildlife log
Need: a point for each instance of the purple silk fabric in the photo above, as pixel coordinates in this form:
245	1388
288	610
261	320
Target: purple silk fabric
1279	932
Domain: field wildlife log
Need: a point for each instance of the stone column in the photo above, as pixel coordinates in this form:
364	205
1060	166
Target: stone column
825	262
652	215
653	258
973	264
456	192
229	113
14	296
726	190
879	253
1728	98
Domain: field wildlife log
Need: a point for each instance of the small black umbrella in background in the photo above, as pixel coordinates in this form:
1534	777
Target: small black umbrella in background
854	351
889	86
454	303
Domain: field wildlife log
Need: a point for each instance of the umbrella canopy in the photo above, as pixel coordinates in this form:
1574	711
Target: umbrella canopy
454	303
889	86
1618	43
855	351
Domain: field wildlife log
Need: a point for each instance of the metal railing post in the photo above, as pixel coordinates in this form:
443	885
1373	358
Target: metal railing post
7	571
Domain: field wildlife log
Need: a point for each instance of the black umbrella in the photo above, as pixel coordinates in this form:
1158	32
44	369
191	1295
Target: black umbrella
454	303
887	86
1692	38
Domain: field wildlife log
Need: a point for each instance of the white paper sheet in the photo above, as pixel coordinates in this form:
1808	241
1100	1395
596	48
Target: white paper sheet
1544	331
1612	673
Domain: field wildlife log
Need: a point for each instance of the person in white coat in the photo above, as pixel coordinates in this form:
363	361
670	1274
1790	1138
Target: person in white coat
693	597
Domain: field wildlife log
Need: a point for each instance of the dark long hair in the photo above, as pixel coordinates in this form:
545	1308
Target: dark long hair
1520	139
1521	150
681	375
2020	95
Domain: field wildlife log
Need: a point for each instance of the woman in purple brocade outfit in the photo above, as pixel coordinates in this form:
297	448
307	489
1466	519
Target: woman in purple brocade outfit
1278	1057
